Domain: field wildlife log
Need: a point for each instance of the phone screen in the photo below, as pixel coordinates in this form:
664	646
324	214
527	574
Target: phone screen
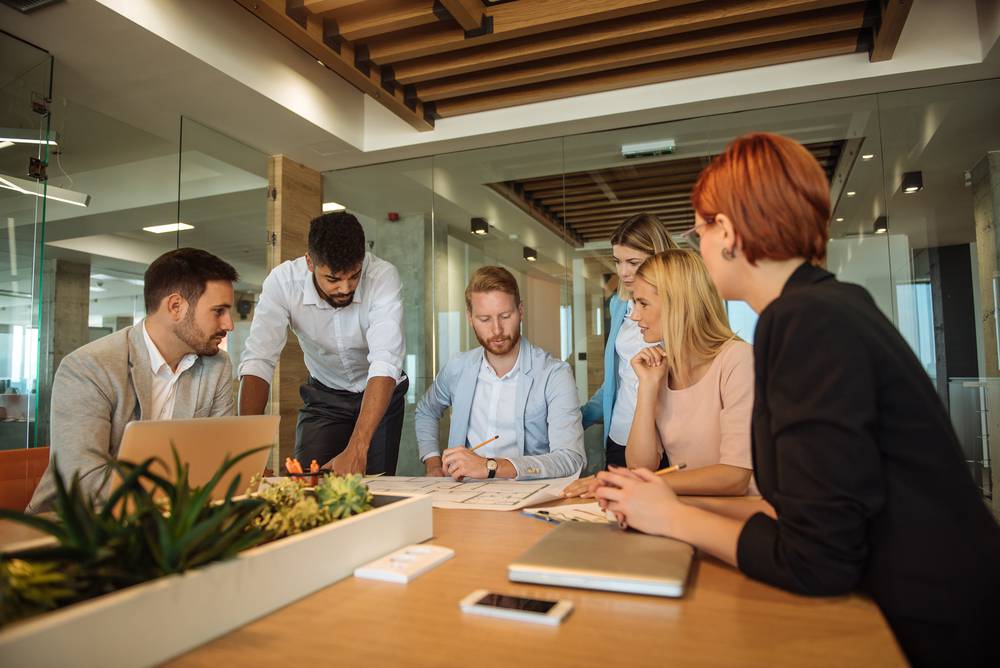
516	603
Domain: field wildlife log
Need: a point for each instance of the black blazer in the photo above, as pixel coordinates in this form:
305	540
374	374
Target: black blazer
856	453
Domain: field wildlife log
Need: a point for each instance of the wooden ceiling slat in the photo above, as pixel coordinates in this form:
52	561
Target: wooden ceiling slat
378	17
620	214
542	216
510	20
630	195
574	181
849	17
325	6
674	171
311	40
740	59
664	184
637	201
894	13
598	35
468	13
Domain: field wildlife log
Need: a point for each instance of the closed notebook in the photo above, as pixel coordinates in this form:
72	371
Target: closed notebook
602	556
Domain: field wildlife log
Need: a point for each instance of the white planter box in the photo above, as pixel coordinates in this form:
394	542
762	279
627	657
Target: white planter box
157	620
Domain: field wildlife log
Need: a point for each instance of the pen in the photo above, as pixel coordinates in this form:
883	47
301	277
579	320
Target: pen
671	469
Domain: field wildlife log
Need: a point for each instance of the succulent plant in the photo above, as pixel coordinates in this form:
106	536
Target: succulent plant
292	508
27	588
288	510
343	496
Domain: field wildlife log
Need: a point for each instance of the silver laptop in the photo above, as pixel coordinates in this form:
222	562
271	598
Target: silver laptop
602	556
203	444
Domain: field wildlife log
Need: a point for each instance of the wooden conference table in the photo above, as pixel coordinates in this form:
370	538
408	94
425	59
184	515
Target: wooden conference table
725	619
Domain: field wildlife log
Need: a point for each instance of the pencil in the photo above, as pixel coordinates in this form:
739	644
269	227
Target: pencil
671	469
489	440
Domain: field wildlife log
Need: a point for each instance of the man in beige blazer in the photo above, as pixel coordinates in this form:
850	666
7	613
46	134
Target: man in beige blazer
169	366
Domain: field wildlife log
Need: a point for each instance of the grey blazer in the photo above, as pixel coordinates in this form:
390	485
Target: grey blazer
550	431
101	387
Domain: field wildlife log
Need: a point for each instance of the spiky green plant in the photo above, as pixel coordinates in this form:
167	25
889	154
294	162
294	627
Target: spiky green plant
343	496
148	527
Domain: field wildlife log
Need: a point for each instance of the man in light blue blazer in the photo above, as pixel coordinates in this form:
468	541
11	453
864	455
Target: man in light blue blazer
510	394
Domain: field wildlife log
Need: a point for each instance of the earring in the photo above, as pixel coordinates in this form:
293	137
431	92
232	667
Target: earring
728	253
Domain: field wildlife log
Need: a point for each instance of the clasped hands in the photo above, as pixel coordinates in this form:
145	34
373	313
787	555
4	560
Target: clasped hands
638	498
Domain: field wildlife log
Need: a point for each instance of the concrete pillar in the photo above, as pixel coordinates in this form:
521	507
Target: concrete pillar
65	306
986	212
296	198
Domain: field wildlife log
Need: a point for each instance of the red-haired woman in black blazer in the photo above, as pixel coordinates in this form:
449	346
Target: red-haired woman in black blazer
863	481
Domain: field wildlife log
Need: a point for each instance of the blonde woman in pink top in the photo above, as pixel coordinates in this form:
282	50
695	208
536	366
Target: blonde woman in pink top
695	395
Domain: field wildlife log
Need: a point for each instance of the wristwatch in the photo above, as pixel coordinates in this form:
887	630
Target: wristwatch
491	468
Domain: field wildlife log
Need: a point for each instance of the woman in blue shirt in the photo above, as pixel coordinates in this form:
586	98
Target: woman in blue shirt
613	405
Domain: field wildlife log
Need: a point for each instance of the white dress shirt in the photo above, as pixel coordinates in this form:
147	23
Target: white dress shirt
628	343
164	379
493	408
343	347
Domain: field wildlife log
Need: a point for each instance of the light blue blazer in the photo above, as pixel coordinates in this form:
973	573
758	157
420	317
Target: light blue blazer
599	408
550	433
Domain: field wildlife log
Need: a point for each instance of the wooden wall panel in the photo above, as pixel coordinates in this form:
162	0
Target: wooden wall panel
296	198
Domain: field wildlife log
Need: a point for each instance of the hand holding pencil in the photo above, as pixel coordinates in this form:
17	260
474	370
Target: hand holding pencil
460	462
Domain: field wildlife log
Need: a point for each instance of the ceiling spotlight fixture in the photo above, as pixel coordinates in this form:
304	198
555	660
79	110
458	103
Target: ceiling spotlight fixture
881	225
913	182
170	227
26	187
840	220
27	136
867	156
851	193
530	254
480	227
329	207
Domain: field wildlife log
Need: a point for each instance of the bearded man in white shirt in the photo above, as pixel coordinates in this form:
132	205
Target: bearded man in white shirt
345	305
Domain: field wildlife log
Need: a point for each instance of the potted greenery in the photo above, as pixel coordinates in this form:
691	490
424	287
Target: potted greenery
161	547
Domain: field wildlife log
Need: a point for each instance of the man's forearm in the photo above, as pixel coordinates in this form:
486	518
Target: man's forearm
378	394
254	392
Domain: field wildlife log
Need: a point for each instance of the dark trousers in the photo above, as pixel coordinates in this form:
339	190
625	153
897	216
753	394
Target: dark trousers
327	419
614	455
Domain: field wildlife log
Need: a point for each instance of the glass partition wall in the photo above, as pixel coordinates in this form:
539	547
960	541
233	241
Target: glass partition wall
25	144
915	189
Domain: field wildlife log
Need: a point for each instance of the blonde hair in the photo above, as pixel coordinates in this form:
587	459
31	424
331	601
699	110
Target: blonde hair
642	232
692	316
491	279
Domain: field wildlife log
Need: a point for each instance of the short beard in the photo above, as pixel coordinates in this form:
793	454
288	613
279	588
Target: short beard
505	348
333	301
196	339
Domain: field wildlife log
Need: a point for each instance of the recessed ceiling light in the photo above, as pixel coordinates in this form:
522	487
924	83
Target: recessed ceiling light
530	254
170	227
97	288
329	207
881	225
851	193
868	156
480	226
840	220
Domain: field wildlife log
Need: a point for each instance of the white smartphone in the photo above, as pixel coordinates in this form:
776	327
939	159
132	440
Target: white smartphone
491	604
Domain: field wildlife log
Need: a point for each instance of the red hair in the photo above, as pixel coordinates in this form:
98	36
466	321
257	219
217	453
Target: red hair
775	193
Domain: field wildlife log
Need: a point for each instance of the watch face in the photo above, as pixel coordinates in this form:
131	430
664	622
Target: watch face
491	464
